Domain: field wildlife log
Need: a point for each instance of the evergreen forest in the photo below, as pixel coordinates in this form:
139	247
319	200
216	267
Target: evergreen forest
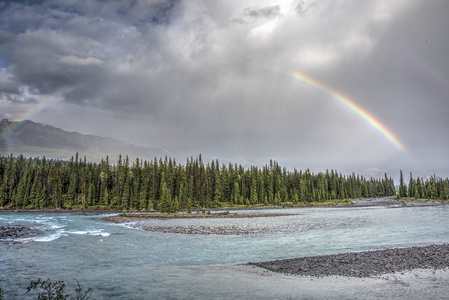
433	188
168	186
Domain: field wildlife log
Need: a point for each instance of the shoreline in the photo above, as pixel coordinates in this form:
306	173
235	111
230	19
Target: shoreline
183	223
365	264
59	210
361	202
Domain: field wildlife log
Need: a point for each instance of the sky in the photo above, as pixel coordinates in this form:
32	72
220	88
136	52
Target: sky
356	86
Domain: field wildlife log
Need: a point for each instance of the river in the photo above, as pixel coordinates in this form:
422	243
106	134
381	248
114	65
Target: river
120	262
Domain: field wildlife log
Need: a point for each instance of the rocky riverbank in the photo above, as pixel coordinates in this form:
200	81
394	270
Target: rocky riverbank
363	264
12	233
391	202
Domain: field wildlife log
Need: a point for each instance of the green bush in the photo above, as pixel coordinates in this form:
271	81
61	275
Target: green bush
55	290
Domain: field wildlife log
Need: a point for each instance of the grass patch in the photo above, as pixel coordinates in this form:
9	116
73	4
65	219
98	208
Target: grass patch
290	204
321	203
411	199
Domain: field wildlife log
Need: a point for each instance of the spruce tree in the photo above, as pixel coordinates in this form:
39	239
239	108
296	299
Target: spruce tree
433	188
217	194
277	199
43	197
106	197
411	186
4	199
444	191
165	201
126	194
143	197
175	205
90	195
253	194
189	205
33	193
295	197
236	194
402	188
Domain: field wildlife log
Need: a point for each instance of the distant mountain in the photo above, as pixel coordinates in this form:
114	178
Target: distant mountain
35	139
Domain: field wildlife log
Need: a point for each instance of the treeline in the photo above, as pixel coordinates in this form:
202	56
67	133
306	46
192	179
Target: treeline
169	186
432	188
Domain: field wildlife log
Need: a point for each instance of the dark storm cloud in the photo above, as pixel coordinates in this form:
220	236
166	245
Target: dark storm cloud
158	13
84	60
212	76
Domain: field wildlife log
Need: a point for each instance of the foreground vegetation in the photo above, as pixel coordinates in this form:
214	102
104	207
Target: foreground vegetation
168	186
54	290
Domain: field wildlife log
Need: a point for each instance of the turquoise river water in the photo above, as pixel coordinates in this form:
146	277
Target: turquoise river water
120	262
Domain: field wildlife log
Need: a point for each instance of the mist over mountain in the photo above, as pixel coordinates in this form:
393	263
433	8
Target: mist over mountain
36	139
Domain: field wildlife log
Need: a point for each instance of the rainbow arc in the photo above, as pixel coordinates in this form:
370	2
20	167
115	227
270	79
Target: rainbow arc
352	105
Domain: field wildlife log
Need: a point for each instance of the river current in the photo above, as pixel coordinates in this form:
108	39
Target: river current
120	262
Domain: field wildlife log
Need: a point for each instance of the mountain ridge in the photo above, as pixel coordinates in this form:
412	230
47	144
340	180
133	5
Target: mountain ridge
38	139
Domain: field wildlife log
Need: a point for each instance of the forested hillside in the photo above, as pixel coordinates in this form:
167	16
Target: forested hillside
169	186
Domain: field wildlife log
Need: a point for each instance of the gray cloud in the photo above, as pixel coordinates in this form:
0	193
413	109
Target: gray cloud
304	8
19	99
214	77
264	12
8	86
5	37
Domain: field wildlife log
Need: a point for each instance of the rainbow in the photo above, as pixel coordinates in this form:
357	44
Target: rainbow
342	99
352	105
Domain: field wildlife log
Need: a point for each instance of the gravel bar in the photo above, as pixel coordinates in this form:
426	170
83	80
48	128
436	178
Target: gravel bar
228	229
176	223
136	217
363	264
10	233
